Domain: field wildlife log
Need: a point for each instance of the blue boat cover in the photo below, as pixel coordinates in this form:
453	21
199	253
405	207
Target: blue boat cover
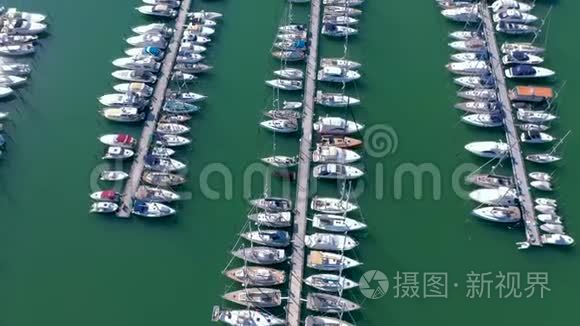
519	55
523	70
153	50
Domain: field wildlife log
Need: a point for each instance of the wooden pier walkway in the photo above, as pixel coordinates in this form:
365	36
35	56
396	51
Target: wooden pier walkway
153	115
518	164
293	315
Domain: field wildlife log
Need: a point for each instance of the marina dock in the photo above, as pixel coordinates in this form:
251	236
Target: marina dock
518	165
293	315
153	116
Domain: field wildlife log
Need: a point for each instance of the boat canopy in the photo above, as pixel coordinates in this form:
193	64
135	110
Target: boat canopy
523	70
152	50
140	206
533	92
520	55
109	195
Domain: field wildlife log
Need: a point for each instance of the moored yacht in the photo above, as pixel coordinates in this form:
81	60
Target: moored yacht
336	223
336	126
336	171
488	149
328	261
335	99
330	282
331	205
270	238
246	317
255	297
333	154
327	303
261	255
122	140
498	214
502	196
256	276
271	219
330	242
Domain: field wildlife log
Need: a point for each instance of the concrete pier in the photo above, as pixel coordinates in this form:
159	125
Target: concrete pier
293	316
153	115
512	137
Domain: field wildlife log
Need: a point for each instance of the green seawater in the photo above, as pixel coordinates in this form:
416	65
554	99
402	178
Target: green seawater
61	266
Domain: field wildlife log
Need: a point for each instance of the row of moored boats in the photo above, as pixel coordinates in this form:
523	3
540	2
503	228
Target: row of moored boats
131	103
19	34
269	235
483	108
